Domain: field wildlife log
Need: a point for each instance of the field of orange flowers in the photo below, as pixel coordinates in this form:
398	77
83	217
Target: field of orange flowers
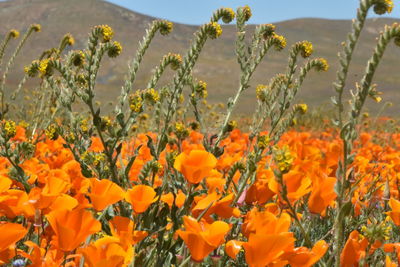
60	217
164	181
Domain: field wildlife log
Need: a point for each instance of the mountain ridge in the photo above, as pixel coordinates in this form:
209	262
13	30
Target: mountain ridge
217	61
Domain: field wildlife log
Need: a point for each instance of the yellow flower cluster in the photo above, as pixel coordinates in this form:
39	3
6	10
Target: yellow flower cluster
107	33
279	41
98	158
201	89
383	6
135	102
36	27
377	231
228	15
9	129
51	132
84	126
45	67
151	96
69	39
115	50
260	92
231	125
306	48
14	33
283	159
214	30
166	27
302	108
180	130
175	60
247	13
263	141
322	64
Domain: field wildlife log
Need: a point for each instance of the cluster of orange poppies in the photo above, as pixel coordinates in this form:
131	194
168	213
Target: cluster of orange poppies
64	218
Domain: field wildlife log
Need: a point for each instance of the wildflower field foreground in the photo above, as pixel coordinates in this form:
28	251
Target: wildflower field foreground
167	179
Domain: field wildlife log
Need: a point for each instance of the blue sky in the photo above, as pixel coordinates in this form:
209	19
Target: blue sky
264	11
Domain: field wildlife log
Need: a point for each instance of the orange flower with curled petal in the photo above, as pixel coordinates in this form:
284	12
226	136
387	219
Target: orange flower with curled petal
202	238
354	250
71	228
104	193
322	194
195	166
10	234
265	222
233	247
106	251
263	249
123	228
170	199
304	257
395	213
140	197
14	203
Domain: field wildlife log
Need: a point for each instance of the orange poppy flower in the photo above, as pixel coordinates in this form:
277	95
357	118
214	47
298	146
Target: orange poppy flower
233	247
354	250
14	203
170	199
195	166
71	228
304	257
263	249
106	251
104	193
122	228
10	234
395	213
140	197
202	238
322	194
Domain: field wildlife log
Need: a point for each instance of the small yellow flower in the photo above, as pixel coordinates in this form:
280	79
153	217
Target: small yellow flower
135	102
261	92
14	33
51	132
115	50
107	33
247	12
228	15
78	58
45	67
9	128
36	27
283	158
322	64
214	30
84	126
231	125
175	60
165	27
279	41
263	141
383	6
69	39
267	30
306	48
33	69
151	96
180	130
302	108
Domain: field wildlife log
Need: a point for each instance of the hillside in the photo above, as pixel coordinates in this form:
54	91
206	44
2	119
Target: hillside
217	65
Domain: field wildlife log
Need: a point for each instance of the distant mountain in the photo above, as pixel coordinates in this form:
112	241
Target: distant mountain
217	65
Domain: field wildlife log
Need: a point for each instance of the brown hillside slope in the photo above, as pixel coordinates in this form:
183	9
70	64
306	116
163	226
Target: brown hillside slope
217	65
